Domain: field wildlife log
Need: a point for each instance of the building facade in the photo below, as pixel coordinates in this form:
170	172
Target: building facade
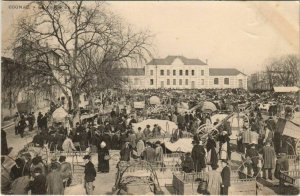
179	72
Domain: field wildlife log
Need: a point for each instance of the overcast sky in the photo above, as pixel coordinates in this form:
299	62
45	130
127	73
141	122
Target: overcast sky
241	35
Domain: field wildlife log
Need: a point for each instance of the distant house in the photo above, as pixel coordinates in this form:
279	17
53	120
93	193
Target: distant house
227	78
179	72
133	77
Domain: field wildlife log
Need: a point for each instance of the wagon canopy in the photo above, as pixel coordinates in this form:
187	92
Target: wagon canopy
207	105
59	115
288	128
154	100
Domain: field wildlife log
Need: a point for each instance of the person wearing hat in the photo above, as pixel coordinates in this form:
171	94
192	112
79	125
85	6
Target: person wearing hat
17	170
147	131
225	178
246	136
149	153
126	151
187	163
214	181
38	184
89	175
55	181
224	146
198	155
252	154
65	170
54	161
269	156
159	153
103	162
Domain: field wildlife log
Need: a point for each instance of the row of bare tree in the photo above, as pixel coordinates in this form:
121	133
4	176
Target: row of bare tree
281	71
76	46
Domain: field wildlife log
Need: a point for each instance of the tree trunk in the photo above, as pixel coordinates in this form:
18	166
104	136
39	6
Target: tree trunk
10	102
76	102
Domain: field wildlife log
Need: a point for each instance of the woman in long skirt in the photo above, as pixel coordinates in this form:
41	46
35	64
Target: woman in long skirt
103	160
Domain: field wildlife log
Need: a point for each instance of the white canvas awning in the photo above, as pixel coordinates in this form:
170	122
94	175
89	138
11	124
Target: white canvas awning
286	89
59	115
182	145
291	130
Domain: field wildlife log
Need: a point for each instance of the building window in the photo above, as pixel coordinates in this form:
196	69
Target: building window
180	72
186	72
168	72
151	81
186	82
174	72
136	81
151	72
162	72
202	81
168	81
216	80
174	81
240	83
226	81
202	72
193	72
180	81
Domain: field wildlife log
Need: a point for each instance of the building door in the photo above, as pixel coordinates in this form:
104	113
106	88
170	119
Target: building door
240	83
193	84
161	84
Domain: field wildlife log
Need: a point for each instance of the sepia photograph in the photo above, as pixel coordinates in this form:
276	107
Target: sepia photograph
150	98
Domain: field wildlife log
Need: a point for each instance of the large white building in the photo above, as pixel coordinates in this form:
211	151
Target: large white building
179	72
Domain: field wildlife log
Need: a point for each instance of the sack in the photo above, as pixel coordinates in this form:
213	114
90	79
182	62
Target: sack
106	157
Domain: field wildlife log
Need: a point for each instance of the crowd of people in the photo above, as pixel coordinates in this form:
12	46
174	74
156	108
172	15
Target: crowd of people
42	178
258	142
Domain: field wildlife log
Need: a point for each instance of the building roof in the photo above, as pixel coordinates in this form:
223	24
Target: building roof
224	72
286	89
170	59
132	71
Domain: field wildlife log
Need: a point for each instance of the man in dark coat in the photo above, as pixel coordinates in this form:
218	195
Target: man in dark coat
211	150
65	170
44	121
198	156
21	126
89	175
17	170
149	153
39	120
55	181
252	154
188	164
125	152
38	185
225	178
269	156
